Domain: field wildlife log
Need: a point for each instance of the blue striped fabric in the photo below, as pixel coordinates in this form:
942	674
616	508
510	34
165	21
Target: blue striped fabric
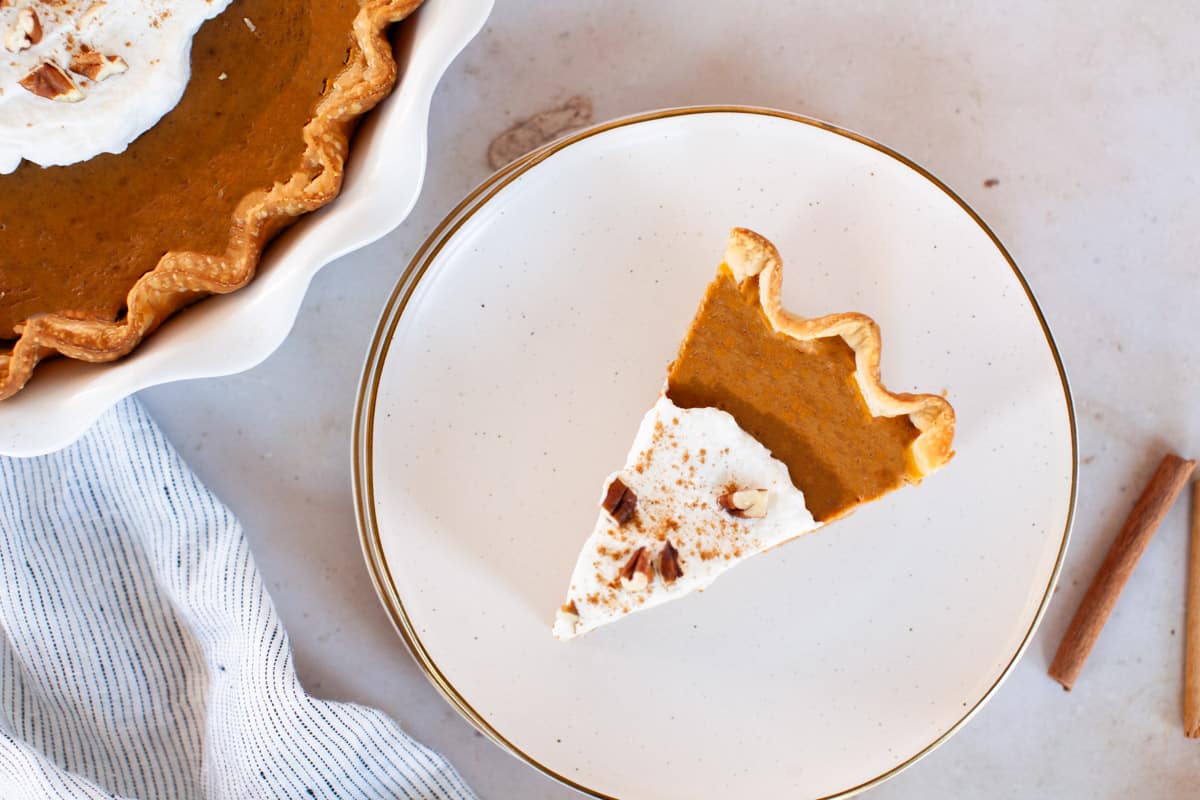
140	656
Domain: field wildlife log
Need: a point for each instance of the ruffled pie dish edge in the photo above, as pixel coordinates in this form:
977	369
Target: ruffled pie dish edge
182	277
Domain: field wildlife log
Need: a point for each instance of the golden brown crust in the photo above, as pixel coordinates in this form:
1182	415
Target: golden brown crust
181	277
748	254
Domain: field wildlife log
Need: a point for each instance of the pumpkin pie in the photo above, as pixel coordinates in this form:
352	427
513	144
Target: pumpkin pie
95	254
769	426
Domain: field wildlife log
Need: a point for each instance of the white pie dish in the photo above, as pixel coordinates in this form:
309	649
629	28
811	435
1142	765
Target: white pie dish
232	333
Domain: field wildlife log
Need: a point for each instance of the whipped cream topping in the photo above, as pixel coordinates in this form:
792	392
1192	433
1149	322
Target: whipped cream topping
84	77
680	465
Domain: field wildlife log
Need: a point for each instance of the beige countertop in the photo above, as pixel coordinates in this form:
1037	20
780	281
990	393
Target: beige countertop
1073	129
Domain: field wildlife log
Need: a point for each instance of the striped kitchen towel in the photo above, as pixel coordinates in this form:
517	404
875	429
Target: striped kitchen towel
140	656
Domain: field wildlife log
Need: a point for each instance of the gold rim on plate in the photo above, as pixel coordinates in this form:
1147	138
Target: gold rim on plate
364	421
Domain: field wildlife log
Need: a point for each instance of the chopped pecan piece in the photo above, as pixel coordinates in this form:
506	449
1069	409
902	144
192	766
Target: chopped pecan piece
638	571
51	81
619	501
668	563
97	67
566	620
745	503
25	32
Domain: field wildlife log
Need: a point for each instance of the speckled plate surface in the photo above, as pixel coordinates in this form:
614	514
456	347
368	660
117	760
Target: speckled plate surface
507	379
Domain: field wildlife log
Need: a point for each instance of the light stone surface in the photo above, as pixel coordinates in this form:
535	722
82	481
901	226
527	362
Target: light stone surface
1088	117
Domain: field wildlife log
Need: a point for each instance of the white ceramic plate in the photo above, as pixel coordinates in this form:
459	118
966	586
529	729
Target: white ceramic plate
508	377
229	334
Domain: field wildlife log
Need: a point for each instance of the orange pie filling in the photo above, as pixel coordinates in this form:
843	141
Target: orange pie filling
95	255
74	239
798	398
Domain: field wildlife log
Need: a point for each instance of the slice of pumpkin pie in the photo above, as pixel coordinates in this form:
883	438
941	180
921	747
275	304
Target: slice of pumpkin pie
770	426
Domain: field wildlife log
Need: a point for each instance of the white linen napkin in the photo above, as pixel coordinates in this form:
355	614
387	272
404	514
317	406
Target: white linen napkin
140	656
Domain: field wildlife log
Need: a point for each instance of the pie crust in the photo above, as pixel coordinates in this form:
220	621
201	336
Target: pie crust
180	277
748	254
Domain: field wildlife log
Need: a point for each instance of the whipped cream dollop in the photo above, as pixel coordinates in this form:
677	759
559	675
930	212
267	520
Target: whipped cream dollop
84	77
682	463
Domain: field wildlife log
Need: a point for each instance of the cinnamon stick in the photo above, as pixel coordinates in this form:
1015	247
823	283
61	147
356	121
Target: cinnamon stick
1191	668
1158	496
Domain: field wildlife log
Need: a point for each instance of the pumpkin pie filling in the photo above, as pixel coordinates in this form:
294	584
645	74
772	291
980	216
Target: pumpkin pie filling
75	238
216	125
799	399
